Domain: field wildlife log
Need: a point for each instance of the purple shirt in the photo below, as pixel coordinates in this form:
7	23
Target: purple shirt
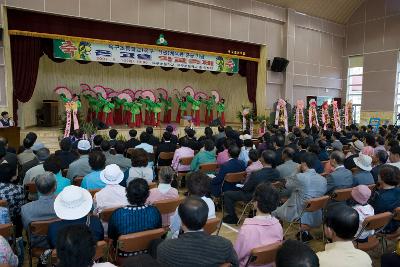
183	152
223	157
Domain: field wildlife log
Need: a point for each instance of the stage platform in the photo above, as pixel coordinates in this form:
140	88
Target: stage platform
50	136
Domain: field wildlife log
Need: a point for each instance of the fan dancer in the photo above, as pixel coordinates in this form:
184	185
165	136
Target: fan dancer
208	113
91	112
138	119
99	107
119	110
182	106
133	108
147	110
107	110
156	111
221	110
167	104
195	109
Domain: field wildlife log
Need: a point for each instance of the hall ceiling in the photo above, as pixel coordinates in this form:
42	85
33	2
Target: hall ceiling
338	11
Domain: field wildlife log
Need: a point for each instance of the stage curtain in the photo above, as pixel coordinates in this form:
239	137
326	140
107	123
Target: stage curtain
249	69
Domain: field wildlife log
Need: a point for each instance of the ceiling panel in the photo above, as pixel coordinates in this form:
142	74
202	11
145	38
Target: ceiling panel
335	10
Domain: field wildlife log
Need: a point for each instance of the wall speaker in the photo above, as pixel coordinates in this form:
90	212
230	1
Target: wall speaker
279	64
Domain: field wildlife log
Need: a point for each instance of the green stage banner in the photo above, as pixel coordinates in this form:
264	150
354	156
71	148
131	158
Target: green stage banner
82	50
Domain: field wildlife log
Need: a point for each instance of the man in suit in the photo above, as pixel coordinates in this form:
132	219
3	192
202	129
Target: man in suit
119	158
267	174
174	138
154	141
131	143
305	185
279	143
166	146
195	247
231	166
340	177
289	167
303	144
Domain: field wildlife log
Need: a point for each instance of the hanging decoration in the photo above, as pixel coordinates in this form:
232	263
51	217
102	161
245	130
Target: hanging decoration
336	117
348	113
312	113
300	114
281	118
161	40
325	114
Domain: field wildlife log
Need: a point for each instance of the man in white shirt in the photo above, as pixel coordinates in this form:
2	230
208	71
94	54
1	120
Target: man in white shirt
341	225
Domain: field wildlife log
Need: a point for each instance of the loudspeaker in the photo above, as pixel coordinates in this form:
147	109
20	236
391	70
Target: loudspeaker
279	64
214	123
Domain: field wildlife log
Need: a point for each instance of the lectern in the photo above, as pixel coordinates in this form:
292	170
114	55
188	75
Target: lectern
12	135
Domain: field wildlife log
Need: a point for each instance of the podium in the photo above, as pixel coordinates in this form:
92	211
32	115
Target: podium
12	134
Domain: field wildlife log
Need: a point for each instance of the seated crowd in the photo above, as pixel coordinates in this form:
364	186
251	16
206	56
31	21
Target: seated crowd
106	189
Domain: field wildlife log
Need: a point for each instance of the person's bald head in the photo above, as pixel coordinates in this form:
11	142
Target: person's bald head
193	212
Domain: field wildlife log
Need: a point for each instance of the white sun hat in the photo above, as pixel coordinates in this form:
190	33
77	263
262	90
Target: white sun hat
363	162
112	174
73	203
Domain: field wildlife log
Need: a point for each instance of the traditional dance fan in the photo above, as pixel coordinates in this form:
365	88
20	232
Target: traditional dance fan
125	96
98	89
85	86
88	92
190	90
63	90
109	90
216	94
150	94
162	92
200	95
112	94
138	93
129	92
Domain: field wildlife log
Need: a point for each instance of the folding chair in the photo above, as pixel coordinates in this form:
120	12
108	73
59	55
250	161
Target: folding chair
101	253
8	232
105	214
152	185
208	167
39	228
326	165
78	180
31	188
168	206
135	242
183	162
166	156
234	177
311	205
263	255
93	192
3	203
377	223
396	234
212	225
341	194
248	205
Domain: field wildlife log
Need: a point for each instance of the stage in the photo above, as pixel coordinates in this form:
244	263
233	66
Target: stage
50	136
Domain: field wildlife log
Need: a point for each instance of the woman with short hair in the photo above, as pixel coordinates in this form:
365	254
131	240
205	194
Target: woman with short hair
140	168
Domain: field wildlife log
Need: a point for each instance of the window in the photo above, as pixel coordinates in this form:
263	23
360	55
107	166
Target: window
354	85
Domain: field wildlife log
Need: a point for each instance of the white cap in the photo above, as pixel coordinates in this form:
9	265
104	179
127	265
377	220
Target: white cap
84	145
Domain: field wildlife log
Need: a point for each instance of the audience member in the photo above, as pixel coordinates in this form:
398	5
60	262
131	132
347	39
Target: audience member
323	153
53	165
341	225
223	156
355	149
318	166
244	153
106	149
135	217
113	133
381	158
394	156
7	256
112	195
76	247
183	152
288	168
387	197
292	140
80	167
195	247
190	139
97	140
206	155
140	168
145	143
164	191
41	209
359	201
208	135
165	146
341	177
66	155
363	173
232	165
293	253
119	158
97	162
305	185
154	141
279	143
267	174
174	138
303	144
133	141
27	155
254	163
198	184
380	144
391	259
263	229
42	155
220	134
73	206
10	153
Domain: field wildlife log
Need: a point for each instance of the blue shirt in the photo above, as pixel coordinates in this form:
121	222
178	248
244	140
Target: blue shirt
92	181
244	156
132	219
61	183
